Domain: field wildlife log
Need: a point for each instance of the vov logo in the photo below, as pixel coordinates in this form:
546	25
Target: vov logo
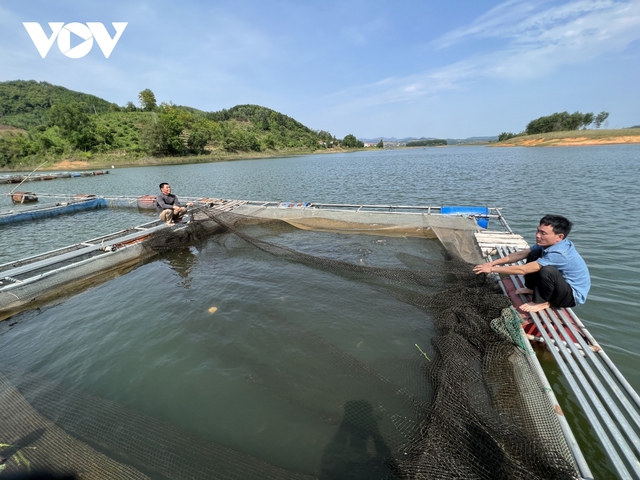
88	32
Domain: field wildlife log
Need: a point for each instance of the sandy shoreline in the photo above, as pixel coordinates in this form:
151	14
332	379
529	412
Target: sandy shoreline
568	142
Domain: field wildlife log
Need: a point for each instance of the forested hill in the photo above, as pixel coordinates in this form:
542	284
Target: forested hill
24	104
265	117
57	123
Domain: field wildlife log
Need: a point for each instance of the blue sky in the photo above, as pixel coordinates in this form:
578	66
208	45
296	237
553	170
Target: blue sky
372	68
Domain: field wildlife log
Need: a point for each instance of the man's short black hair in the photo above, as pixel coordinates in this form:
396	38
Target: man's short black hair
558	223
163	184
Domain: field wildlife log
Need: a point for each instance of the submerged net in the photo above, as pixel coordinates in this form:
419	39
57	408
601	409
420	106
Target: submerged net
473	408
489	416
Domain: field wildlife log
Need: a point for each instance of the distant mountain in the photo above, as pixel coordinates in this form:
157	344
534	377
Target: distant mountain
462	141
385	139
450	141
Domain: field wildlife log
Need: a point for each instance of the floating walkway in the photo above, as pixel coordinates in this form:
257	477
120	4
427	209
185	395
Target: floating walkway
48	176
51	210
606	398
33	281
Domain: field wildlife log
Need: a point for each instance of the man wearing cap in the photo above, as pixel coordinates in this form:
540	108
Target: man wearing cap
555	273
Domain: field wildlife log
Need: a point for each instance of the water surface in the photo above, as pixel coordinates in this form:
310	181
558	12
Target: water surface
148	341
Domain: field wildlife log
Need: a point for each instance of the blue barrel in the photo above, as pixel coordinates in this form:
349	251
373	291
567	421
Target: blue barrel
480	213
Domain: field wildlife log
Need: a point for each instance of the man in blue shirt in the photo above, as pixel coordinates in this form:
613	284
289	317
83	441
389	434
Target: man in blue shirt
555	273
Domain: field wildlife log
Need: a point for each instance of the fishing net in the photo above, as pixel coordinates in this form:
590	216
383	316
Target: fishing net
488	416
45	424
471	406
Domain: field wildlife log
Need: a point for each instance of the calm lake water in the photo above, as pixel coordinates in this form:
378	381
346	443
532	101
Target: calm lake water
147	340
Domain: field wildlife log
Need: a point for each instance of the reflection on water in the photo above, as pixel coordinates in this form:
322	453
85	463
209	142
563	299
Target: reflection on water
182	262
357	450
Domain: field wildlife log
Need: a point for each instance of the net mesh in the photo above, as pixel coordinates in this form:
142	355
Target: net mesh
144	446
479	410
489	416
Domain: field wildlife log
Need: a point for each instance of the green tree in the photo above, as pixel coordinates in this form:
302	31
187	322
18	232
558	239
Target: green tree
147	100
103	137
588	119
198	140
505	136
600	118
269	142
50	140
69	117
202	132
163	136
434	142
380	144
76	126
237	140
350	141
560	121
14	148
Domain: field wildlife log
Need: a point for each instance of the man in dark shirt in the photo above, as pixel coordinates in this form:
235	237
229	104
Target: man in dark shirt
169	208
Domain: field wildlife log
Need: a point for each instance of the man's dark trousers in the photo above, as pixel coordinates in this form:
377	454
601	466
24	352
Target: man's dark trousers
548	284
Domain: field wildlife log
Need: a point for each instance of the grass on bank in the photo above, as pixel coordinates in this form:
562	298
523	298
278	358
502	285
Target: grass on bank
575	137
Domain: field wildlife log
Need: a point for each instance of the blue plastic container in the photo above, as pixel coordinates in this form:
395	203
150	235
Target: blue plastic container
480	213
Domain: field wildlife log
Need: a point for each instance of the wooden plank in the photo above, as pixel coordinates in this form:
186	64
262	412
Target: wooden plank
498	237
512	241
515	244
229	205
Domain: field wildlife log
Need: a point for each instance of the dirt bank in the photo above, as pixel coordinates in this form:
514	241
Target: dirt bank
542	141
122	161
69	165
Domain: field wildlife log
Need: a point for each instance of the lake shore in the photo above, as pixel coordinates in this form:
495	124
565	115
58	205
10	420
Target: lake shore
575	138
102	162
625	136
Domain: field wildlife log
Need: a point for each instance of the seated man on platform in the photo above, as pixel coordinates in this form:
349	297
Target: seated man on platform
169	208
555	273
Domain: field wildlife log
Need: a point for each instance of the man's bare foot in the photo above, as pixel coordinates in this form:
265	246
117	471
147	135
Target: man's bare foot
534	307
524	291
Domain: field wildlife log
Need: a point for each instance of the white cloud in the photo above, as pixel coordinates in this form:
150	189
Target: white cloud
526	21
536	42
492	23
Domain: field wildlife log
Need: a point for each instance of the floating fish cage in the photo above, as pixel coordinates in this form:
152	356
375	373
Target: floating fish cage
491	411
